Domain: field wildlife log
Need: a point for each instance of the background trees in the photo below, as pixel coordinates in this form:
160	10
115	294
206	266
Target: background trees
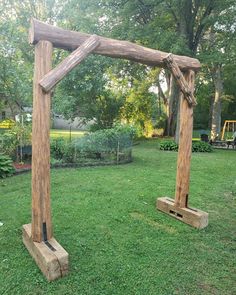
108	90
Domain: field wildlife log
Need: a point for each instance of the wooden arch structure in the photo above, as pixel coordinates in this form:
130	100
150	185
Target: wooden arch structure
51	258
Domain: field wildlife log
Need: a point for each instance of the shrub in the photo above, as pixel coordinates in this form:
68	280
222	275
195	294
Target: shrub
201	146
8	143
168	145
197	146
6	168
18	135
57	148
106	140
105	144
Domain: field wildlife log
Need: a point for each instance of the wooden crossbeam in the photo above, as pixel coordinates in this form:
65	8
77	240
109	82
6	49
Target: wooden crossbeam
175	70
70	40
59	72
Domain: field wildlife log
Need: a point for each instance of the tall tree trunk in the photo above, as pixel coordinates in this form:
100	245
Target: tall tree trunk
177	122
216	107
171	106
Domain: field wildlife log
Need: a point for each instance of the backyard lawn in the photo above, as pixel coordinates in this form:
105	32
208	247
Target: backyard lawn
105	217
54	133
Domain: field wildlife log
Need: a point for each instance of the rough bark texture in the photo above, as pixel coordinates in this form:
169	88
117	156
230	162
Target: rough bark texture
177	122
216	107
185	147
172	107
172	65
41	213
70	40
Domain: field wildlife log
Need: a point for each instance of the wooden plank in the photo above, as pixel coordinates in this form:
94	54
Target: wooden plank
54	263
41	212
185	147
179	77
58	73
70	40
191	216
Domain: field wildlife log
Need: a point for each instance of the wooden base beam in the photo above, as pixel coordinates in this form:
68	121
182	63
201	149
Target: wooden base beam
191	216
50	257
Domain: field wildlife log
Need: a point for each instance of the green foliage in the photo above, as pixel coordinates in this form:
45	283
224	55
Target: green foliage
107	140
93	145
63	150
201	146
197	146
8	143
6	168
168	145
57	147
106	90
139	105
18	135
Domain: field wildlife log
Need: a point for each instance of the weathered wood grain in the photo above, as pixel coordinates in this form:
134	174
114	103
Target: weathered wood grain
179	77
191	216
60	71
41	212
70	40
185	146
54	263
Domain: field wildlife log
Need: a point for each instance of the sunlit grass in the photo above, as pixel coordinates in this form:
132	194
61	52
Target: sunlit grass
55	133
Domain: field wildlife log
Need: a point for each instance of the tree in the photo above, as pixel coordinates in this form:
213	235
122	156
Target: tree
16	55
173	26
218	47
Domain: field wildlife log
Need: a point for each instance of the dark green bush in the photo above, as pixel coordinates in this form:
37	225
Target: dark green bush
201	146
197	146
57	148
6	168
168	145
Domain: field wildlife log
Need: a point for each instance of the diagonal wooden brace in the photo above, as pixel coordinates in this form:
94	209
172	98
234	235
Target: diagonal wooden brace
59	72
175	70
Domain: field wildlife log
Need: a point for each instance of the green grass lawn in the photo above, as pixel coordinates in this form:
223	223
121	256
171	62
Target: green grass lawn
105	217
54	133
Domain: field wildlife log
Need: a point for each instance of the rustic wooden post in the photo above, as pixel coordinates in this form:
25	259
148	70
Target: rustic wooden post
51	258
185	146
178	208
41	212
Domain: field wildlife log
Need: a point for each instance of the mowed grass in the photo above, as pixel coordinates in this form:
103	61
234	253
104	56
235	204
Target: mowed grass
105	217
55	133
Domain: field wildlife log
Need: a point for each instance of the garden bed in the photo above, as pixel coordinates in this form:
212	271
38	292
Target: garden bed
22	168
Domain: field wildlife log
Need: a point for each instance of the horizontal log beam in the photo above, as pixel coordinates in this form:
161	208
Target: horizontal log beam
60	71
175	70
71	40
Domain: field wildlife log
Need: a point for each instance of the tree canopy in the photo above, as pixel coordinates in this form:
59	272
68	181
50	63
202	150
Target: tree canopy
108	90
